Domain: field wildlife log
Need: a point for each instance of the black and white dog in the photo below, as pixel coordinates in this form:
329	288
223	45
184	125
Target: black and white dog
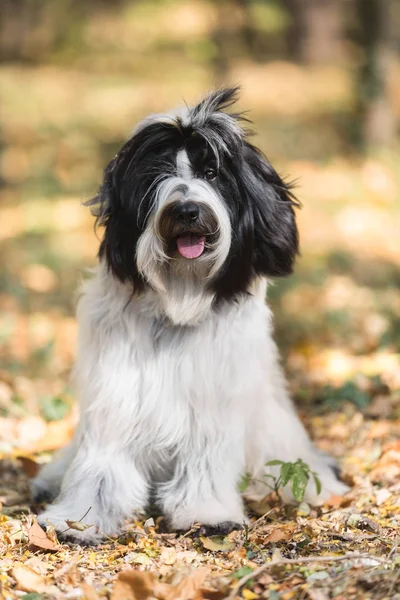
178	376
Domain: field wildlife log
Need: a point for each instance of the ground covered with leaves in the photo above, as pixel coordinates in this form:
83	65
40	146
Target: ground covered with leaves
337	319
345	549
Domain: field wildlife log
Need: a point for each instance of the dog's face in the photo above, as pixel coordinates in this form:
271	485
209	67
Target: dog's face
188	198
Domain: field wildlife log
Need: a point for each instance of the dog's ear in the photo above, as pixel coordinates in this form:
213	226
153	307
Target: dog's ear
121	232
102	204
275	237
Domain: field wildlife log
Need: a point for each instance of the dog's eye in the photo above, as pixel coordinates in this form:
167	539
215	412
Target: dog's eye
210	174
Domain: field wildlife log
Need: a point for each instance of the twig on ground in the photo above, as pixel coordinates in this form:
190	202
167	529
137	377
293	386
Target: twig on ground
260	519
192	530
350	537
294	561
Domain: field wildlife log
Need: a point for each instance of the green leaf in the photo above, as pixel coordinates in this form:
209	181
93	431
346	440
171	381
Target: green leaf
302	473
317	482
287	470
274	463
244	482
298	488
54	408
32	596
242	572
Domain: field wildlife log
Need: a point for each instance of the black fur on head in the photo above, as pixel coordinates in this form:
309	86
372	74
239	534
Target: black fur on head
264	238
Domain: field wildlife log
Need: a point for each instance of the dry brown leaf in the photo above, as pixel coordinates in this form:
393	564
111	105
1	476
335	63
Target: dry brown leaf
190	587
216	544
27	579
39	566
392	446
133	585
334	501
162	590
78	525
37	537
29	466
89	592
278	535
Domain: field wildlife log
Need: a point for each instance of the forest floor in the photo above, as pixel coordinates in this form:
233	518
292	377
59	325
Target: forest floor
337	322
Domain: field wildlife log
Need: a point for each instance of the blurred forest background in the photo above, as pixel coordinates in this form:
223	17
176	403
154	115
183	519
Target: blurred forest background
321	81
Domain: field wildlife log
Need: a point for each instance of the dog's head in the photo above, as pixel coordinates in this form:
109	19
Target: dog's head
189	203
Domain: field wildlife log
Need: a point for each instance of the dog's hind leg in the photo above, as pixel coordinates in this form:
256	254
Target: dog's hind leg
277	433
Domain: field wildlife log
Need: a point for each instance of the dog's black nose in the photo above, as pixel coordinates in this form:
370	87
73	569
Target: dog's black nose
186	211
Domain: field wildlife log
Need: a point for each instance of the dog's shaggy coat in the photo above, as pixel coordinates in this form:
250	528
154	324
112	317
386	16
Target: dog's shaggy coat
179	381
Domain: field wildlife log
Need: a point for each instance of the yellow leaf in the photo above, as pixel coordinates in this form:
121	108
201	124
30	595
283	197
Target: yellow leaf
249	595
142	559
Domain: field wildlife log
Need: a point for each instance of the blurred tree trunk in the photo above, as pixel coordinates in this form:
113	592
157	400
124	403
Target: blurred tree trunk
315	34
378	118
233	35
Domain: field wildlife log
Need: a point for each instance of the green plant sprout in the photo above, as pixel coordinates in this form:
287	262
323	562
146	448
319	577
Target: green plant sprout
297	474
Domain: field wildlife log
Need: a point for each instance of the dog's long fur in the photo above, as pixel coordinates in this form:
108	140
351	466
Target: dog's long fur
178	376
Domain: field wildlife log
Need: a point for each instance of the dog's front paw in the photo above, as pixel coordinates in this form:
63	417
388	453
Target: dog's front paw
221	529
86	534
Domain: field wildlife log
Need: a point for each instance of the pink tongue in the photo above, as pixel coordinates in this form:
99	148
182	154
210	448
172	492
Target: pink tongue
190	245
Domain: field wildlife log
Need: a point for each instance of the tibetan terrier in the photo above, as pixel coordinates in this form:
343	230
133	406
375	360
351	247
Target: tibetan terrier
180	387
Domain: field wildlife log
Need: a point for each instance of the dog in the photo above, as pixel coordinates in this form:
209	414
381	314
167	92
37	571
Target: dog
179	380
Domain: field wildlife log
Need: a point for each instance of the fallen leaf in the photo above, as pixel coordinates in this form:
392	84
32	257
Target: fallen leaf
37	537
392	446
317	576
189	588
162	590
304	509
316	594
249	595
38	565
277	536
89	592
141	559
77	525
168	556
148	524
30	467
217	544
363	523
242	572
187	556
382	496
133	585
334	501
27	579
